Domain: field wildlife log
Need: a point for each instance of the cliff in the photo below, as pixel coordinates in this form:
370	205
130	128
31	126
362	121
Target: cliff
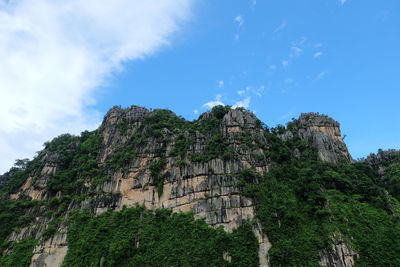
323	133
219	168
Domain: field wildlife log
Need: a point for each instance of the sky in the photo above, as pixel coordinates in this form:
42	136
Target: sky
63	64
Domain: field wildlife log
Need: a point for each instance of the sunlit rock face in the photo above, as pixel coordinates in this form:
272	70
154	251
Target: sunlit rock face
324	134
208	188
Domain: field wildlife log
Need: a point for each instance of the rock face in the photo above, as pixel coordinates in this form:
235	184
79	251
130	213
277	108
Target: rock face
324	133
204	187
208	188
383	157
51	252
339	256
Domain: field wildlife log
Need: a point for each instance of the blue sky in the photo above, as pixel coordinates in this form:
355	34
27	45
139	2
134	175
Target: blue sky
65	63
288	57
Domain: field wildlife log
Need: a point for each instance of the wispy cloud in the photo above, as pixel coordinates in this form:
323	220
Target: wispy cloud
241	92
220	83
216	102
54	54
320	76
286	116
244	103
296	51
259	90
318	54
240	20
252	90
281	26
342	2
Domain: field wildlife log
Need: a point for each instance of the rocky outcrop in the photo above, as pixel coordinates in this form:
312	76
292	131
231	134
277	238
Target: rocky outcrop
382	158
52	251
340	255
208	188
114	124
325	135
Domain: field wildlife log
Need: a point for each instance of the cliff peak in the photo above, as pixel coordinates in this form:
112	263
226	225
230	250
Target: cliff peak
324	134
131	114
224	167
317	119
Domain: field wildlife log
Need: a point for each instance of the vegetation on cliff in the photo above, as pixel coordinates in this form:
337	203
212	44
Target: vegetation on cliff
304	204
136	237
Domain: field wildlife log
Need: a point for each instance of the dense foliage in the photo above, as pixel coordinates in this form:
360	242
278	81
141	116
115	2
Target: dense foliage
76	157
304	204
136	237
13	215
389	168
19	173
21	254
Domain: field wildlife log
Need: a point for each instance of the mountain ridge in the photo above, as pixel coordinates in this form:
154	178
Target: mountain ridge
219	167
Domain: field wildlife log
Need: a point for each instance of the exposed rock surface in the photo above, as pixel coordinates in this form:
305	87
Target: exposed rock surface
339	256
207	188
325	135
51	252
382	158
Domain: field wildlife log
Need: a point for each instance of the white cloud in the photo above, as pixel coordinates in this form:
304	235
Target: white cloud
318	54
196	111
320	75
221	84
216	102
296	51
260	90
241	92
245	103
281	26
342	1
240	20
55	53
252	90
297	47
302	40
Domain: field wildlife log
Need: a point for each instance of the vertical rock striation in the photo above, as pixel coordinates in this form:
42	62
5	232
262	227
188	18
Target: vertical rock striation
323	133
205	186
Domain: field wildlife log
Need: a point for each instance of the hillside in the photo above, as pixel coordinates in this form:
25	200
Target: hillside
148	188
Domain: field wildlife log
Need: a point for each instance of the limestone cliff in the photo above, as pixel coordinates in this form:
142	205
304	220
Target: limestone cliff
324	133
205	187
156	159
